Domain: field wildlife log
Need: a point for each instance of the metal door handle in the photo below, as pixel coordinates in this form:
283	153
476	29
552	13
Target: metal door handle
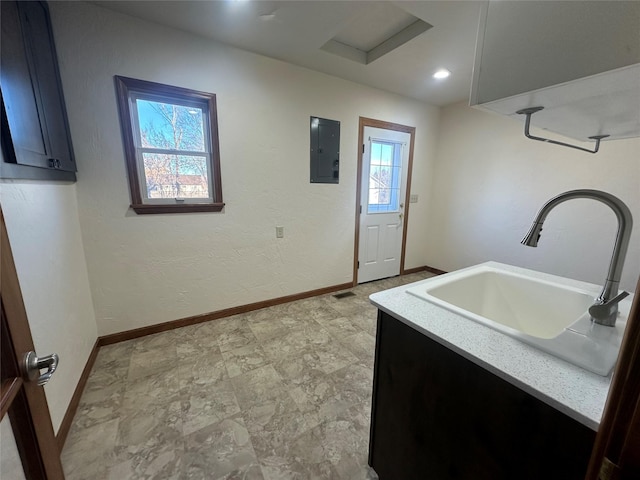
32	365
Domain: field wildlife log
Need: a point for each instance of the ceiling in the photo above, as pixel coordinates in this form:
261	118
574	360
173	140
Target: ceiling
296	31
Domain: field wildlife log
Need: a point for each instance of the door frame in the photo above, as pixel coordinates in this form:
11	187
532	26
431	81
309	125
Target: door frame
32	429
371	122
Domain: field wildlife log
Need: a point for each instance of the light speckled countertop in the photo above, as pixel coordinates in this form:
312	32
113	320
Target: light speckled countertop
572	390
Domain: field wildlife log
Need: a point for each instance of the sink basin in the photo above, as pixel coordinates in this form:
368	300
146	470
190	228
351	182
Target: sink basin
549	315
534	307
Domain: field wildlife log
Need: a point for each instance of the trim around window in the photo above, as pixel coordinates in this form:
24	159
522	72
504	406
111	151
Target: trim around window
129	91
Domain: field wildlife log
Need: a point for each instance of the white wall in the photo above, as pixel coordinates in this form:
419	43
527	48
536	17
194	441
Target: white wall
44	232
490	181
155	268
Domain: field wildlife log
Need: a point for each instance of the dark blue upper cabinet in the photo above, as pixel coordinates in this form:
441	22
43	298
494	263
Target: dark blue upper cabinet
35	131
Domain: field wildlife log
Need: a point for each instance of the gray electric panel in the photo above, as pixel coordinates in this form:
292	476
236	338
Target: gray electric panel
325	150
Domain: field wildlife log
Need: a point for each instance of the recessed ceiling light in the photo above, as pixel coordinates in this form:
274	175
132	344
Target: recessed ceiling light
267	16
442	73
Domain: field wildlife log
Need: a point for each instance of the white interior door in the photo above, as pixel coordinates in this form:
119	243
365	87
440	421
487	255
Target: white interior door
383	185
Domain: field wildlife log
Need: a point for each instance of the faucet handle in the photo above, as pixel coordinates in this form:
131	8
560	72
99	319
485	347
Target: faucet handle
607	310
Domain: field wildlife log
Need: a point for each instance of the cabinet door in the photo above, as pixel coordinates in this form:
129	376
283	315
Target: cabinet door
31	89
526	46
437	415
37	26
18	93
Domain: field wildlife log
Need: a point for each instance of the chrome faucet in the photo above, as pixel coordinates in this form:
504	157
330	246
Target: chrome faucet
605	308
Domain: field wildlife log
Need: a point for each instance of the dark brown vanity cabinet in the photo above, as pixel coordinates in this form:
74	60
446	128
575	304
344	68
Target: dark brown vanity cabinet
438	416
35	130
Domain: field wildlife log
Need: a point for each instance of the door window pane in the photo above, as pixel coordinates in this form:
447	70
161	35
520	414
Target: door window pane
384	177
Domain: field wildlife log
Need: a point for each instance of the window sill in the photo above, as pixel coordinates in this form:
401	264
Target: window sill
143	209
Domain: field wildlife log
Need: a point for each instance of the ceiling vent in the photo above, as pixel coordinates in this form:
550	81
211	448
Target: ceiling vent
375	33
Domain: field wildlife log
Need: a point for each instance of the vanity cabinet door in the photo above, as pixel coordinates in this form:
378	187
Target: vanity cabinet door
437	415
34	117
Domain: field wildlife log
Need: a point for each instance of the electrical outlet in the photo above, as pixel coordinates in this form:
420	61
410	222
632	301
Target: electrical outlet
413	198
279	232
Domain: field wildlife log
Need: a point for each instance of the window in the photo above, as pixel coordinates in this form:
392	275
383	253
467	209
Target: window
170	137
384	176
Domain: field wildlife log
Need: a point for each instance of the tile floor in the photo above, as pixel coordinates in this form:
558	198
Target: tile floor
278	393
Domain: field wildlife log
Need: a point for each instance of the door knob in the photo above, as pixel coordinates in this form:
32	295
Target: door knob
31	366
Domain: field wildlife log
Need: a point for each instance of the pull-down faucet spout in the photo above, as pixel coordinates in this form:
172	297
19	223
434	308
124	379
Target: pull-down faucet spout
605	309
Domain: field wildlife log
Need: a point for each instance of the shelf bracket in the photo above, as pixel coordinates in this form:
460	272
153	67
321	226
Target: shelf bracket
531	110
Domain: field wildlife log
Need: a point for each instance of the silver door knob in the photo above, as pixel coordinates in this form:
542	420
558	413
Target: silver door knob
31	366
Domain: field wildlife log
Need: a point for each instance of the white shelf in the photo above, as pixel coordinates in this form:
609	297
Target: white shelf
603	104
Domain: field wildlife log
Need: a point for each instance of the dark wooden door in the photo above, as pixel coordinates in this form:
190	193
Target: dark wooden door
24	402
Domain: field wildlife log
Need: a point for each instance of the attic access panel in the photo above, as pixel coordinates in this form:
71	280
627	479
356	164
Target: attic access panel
371	34
325	150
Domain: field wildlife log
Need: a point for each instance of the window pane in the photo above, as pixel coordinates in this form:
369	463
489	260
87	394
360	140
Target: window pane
386	154
176	176
384	177
168	126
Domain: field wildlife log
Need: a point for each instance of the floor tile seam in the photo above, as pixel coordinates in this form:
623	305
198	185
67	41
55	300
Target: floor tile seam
306	311
315	408
273	325
110	366
311	349
194	389
336	397
313	321
117	374
305	322
277	358
340	338
251	344
244	424
116	391
207	353
161	371
119	444
296	348
237	388
284	455
188	385
250	421
75	429
226	368
275	451
91	407
291	382
69	449
132	409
